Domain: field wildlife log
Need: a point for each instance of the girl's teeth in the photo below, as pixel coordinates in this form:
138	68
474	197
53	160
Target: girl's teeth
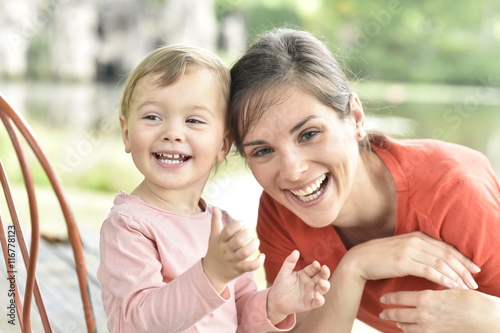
171	161
171	158
171	155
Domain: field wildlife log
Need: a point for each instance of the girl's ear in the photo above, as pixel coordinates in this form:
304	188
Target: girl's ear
358	115
227	141
125	136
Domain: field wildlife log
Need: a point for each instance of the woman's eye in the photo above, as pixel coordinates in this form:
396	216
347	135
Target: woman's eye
262	152
309	135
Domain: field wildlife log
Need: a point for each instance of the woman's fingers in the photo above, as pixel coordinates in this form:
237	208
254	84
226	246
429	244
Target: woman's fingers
436	275
453	253
454	268
414	254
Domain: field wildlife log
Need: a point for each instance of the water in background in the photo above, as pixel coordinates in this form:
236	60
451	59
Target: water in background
85	116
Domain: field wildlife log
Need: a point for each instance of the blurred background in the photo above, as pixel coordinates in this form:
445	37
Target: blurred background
423	69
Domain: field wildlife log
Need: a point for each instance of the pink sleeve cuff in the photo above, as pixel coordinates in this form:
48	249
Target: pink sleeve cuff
202	282
253	315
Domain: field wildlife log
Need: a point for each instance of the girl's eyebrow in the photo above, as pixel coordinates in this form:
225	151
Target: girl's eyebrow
146	103
203	108
194	106
301	123
293	130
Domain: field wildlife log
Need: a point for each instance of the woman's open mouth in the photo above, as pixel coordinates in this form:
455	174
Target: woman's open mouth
171	158
312	191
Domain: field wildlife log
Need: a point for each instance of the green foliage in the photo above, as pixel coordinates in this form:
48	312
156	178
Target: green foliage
38	57
419	41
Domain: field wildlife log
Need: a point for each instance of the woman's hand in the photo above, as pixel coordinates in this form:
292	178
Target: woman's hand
413	254
451	310
298	291
229	252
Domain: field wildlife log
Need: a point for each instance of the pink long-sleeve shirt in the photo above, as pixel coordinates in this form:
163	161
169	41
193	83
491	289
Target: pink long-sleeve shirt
152	279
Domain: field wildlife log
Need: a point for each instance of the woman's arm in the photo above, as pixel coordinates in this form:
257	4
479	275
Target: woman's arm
468	216
341	304
409	254
451	310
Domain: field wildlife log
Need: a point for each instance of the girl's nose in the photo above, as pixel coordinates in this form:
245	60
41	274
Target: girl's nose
172	133
292	165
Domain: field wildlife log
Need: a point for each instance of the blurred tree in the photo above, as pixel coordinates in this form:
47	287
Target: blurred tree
422	41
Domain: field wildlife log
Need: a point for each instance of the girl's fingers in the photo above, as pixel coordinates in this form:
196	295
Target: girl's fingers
252	265
318	300
240	238
322	274
246	251
312	269
289	263
322	286
231	230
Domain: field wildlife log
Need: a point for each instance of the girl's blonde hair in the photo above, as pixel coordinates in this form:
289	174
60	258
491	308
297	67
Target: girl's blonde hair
169	63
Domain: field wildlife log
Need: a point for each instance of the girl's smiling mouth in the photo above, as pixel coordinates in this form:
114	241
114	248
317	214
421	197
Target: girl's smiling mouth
167	158
310	192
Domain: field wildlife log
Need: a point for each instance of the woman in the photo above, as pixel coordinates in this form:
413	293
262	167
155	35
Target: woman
396	221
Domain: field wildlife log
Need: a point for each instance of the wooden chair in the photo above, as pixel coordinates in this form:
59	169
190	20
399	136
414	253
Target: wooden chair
15	125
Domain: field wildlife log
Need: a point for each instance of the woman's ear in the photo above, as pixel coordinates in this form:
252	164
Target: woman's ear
358	115
125	136
227	141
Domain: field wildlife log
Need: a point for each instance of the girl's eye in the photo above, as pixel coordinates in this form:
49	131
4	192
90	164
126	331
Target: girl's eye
151	117
309	135
262	152
194	121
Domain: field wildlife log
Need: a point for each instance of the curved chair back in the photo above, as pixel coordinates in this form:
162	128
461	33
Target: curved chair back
22	137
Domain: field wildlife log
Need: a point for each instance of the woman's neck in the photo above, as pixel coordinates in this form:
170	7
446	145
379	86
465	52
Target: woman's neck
372	211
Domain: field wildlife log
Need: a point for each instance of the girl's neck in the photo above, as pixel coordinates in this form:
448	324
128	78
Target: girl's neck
177	201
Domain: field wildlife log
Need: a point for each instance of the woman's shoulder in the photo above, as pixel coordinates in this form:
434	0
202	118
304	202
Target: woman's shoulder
427	157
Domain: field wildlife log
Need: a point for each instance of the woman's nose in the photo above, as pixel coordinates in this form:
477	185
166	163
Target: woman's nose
292	165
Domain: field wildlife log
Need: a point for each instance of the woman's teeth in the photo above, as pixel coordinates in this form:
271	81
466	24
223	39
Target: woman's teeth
171	158
311	192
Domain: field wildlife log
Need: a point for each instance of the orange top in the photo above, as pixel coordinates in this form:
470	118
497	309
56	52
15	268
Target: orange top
447	191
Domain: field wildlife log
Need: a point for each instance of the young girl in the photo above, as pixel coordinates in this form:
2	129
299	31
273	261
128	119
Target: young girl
169	261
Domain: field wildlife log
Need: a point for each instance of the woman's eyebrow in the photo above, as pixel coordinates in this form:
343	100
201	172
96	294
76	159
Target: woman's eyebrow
293	130
301	123
253	143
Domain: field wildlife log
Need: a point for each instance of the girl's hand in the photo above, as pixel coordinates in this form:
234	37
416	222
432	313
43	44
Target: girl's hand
229	252
413	254
299	291
451	310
